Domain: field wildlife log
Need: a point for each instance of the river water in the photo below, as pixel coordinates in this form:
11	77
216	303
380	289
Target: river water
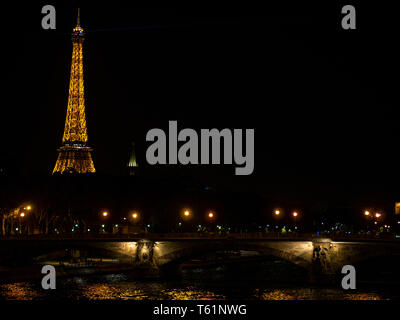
270	280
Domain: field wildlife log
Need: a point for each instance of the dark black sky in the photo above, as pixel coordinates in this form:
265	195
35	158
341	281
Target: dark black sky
322	100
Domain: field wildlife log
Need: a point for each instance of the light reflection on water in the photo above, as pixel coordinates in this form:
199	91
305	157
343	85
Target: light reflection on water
115	287
193	294
239	282
111	292
313	294
19	291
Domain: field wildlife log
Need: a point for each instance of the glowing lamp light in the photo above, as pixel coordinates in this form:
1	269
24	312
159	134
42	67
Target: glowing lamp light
134	215
105	214
22	214
366	213
277	212
377	214
295	214
210	215
186	213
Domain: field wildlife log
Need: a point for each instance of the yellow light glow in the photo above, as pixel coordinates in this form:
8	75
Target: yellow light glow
28	207
277	212
295	214
210	215
186	213
134	215
22	214
378	214
105	214
366	213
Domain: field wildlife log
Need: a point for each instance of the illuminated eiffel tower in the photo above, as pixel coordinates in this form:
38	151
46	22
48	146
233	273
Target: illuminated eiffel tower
74	156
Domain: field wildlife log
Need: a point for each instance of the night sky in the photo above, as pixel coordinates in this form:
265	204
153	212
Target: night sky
321	99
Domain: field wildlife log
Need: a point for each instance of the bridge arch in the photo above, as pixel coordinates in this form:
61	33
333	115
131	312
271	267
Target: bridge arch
176	257
29	252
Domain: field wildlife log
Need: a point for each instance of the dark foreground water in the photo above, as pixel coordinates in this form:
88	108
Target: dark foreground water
271	280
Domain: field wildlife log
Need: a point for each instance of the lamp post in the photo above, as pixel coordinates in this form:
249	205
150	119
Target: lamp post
21	216
210	218
277	213
378	215
105	214
295	215
135	216
186	216
368	216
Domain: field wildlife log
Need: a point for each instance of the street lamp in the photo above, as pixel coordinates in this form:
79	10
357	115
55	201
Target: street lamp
135	216
366	212
210	215
295	214
105	214
277	212
187	213
378	215
21	216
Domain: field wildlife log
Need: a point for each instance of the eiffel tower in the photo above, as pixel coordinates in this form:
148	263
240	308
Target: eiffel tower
74	156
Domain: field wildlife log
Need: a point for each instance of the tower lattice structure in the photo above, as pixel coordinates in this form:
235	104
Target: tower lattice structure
74	156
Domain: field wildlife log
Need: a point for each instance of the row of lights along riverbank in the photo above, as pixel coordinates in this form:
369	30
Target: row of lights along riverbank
375	217
186	213
210	214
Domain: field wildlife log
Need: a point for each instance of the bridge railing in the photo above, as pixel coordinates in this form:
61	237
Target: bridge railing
178	235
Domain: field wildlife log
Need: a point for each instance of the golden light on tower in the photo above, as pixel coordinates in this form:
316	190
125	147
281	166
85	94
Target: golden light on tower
74	156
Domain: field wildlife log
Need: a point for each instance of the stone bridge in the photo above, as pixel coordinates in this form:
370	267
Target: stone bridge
321	257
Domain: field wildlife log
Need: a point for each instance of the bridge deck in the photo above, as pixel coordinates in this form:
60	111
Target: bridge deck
203	237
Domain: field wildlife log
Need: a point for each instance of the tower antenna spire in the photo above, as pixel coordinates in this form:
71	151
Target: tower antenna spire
78	22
